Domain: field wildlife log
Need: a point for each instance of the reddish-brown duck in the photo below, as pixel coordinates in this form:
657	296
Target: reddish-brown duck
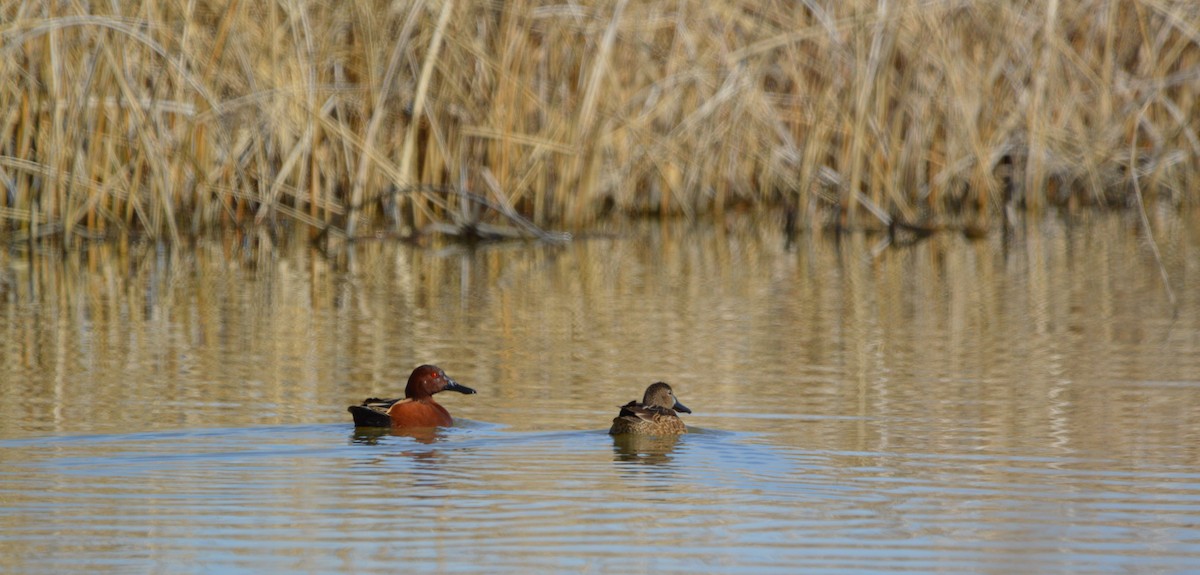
417	409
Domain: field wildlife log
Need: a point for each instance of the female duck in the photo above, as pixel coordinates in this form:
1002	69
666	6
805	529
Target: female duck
417	409
655	415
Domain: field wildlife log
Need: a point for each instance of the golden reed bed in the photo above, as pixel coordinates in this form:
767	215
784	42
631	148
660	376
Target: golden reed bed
354	118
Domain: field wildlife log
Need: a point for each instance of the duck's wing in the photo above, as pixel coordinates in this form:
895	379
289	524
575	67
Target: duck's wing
636	411
365	416
379	403
373	412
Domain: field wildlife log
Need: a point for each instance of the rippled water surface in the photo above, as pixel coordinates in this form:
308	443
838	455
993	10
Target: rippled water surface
1028	403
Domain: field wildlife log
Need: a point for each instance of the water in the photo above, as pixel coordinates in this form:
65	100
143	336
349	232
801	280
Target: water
1029	403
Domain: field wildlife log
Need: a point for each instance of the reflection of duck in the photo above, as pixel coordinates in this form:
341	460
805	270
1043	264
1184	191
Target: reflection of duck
417	409
655	415
371	434
647	449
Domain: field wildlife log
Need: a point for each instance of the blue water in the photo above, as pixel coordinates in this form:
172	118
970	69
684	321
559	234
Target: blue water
481	498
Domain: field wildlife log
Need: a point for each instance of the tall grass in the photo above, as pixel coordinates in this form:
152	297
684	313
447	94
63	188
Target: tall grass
362	117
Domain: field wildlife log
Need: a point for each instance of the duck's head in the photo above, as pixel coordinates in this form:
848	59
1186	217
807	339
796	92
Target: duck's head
660	395
427	380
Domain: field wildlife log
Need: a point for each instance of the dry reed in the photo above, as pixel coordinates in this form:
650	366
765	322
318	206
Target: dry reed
363	117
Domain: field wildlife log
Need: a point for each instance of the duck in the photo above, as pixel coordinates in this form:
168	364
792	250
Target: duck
417	408
655	415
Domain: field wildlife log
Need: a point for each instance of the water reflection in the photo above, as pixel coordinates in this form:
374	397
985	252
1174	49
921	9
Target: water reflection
1025	402
372	435
644	449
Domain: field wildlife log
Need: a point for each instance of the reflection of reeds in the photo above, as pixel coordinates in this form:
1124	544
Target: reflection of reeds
352	119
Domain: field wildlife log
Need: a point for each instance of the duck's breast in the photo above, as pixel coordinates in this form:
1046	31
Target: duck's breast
419	413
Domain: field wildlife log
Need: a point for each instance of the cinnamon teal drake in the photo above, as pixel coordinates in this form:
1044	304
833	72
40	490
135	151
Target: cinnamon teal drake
655	415
417	409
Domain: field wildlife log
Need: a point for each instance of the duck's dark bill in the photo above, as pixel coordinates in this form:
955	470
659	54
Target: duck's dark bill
456	386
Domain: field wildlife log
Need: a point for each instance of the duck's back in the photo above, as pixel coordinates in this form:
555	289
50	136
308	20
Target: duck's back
647	420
